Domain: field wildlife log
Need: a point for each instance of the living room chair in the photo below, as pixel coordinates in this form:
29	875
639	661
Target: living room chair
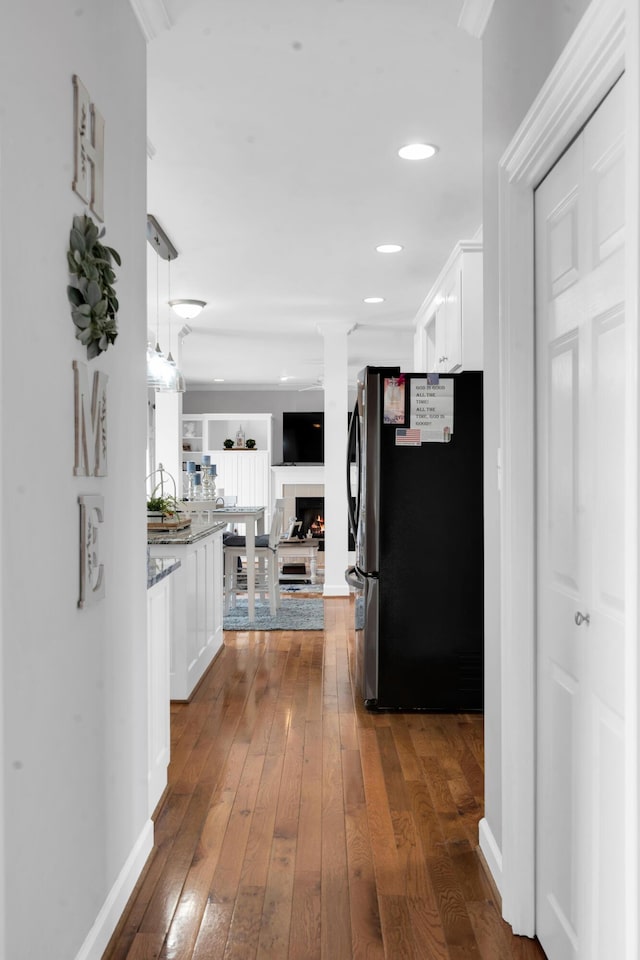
267	575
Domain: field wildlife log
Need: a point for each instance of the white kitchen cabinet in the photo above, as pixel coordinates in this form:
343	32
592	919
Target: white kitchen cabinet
159	623
448	325
196	622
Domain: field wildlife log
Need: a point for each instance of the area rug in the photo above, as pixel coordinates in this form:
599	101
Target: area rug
293	614
301	587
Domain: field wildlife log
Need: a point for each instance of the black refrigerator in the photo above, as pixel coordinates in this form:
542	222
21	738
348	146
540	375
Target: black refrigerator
416	514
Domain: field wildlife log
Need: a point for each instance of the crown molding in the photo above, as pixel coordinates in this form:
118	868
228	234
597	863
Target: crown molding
474	16
153	16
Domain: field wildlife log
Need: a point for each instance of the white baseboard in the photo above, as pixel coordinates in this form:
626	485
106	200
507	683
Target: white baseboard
105	923
335	590
491	852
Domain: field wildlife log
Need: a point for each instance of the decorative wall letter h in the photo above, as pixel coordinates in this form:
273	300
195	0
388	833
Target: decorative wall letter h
88	181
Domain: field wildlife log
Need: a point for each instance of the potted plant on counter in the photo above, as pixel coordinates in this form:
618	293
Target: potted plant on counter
163	509
163	513
160	507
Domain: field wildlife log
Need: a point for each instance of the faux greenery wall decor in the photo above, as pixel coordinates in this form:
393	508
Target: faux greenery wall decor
94	305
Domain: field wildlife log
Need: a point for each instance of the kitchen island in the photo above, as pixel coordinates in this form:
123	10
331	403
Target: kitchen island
196	618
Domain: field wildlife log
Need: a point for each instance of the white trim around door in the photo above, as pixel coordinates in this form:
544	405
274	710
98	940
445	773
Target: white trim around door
604	44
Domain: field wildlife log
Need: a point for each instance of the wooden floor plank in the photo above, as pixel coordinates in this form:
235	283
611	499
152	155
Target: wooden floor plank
335	910
226	876
458	931
305	934
214	928
298	825
244	930
187	917
275	922
385	855
489	932
366	931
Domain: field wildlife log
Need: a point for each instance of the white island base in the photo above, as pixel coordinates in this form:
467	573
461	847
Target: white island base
196	629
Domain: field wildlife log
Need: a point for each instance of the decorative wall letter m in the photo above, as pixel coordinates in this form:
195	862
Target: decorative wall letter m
88	181
91	422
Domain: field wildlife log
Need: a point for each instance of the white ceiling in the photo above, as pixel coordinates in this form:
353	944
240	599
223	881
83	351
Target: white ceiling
274	129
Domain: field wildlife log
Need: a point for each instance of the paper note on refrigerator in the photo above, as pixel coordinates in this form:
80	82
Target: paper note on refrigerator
393	404
431	408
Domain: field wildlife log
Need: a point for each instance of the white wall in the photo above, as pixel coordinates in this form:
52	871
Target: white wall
519	47
74	681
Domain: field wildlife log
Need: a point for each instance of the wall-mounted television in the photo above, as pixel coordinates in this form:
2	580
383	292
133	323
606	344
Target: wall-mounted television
303	437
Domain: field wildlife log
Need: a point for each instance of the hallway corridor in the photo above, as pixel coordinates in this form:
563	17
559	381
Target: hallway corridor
297	825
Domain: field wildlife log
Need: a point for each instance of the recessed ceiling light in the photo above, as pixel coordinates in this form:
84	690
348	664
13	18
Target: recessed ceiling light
284	379
218	379
389	248
417	151
374	299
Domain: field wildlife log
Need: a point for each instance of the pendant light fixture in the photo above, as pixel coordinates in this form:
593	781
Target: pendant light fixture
160	373
163	373
179	384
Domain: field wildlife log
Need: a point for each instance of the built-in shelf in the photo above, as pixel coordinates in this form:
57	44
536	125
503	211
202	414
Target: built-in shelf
240	472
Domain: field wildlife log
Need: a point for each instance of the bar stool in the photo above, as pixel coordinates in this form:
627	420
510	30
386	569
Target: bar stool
267	578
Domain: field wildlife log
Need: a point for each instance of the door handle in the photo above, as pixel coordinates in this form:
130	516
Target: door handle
582	618
353	443
352	578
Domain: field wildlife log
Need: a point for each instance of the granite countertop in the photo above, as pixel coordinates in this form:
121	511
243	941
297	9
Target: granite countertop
157	570
197	531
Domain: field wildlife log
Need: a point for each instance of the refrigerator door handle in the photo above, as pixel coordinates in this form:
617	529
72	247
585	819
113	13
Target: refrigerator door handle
352	447
353	578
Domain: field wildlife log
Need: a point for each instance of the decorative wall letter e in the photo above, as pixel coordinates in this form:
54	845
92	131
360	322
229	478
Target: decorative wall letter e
91	568
88	181
91	422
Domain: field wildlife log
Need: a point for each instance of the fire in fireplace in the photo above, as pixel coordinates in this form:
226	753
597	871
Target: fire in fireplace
310	510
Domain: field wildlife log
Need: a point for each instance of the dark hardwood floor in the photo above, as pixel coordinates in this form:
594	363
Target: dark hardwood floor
297	825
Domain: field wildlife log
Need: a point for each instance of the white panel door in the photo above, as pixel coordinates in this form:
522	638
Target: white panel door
580	344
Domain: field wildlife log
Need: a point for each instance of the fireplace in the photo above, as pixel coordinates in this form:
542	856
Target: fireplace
310	510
